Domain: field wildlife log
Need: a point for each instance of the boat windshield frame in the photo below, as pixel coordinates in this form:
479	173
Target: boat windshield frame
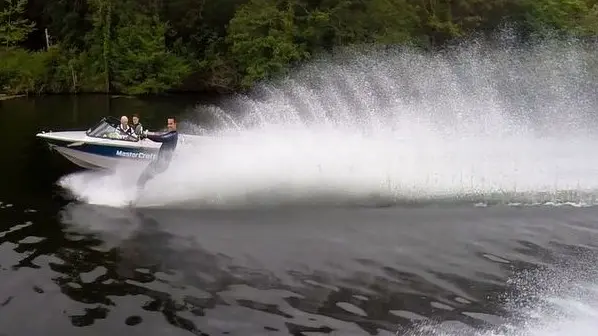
107	128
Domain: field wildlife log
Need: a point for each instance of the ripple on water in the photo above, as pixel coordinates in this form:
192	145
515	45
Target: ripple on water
351	308
360	297
93	275
441	306
30	240
148	281
495	258
133	320
408	315
15	228
491	319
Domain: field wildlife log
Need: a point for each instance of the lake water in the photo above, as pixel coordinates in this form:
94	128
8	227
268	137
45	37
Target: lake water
316	211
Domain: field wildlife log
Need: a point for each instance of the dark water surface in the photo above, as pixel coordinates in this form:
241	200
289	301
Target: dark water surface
68	268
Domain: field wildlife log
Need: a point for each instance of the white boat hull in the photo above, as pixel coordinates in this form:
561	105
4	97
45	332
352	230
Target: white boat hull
88	160
98	149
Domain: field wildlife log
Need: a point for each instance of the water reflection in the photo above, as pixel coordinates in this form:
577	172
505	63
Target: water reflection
157	255
237	272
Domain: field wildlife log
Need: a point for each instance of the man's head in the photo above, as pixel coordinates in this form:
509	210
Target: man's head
171	124
124	121
135	119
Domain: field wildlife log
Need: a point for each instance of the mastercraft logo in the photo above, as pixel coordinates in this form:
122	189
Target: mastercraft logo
135	155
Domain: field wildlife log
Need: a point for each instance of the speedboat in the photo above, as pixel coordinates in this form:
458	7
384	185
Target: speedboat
103	146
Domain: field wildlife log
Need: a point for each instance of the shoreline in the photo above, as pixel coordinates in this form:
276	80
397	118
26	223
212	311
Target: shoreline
114	95
4	96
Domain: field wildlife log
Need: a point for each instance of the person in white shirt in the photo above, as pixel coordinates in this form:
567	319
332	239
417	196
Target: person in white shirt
124	126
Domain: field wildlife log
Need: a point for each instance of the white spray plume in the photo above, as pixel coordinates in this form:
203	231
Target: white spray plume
479	122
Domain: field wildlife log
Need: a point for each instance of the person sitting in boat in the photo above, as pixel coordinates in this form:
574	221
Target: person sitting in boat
137	127
124	126
122	131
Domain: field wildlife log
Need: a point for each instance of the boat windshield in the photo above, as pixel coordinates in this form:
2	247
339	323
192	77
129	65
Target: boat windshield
108	128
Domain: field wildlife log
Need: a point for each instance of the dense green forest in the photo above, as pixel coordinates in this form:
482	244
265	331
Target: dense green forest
154	46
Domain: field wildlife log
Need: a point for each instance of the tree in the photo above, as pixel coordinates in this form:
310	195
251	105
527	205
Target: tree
13	28
141	62
262	40
570	17
100	39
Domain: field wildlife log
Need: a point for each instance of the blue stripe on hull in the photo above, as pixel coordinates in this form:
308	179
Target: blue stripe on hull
110	151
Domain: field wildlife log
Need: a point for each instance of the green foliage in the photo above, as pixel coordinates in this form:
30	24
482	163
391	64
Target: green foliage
13	28
66	21
262	40
23	71
154	46
141	63
100	40
570	17
375	21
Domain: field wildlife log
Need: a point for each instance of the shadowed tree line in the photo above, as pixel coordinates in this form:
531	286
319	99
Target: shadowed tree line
155	46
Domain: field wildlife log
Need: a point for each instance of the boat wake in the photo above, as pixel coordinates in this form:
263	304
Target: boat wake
479	123
546	302
538	289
